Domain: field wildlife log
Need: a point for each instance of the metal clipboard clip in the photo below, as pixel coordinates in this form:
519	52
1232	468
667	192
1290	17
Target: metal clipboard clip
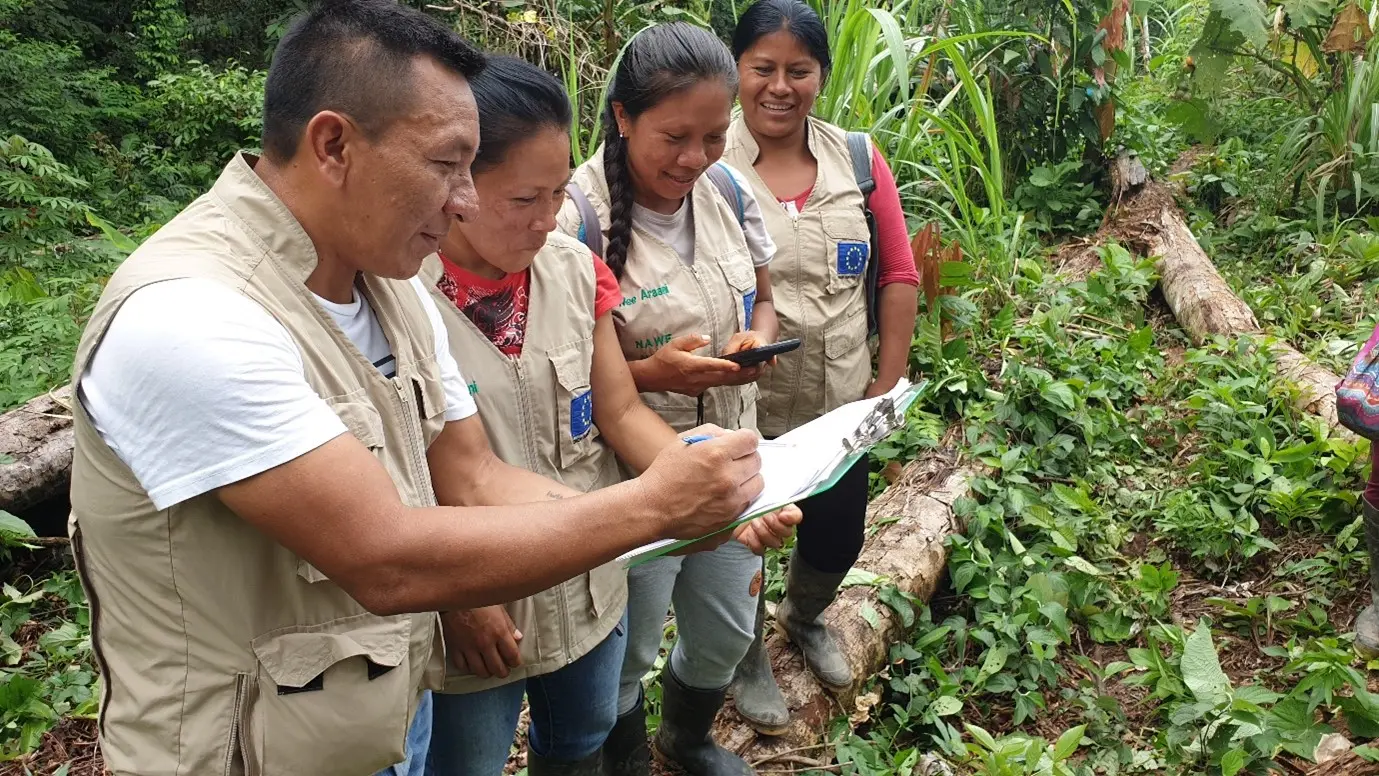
881	422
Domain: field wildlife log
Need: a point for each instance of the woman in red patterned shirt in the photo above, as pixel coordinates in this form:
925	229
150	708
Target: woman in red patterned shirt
527	314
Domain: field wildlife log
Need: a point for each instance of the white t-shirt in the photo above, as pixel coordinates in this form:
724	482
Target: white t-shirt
677	229
196	386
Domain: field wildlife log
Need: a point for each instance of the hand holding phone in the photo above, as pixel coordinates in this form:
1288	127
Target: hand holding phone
754	356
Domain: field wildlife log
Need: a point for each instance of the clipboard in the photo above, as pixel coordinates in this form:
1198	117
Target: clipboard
810	459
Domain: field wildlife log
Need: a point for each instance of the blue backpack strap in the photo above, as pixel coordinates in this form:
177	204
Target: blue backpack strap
727	186
859	148
592	238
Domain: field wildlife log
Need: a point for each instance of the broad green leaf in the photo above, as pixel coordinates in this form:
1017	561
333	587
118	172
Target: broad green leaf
1083	565
856	576
933	637
12	527
1247	17
1059	393
1068	743
1308	13
984	738
891	596
117	238
994	662
1232	762
1202	668
946	706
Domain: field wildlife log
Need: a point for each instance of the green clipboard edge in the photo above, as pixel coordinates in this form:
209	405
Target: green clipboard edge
907	399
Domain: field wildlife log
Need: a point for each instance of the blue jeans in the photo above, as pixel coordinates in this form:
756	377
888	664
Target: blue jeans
418	743
572	711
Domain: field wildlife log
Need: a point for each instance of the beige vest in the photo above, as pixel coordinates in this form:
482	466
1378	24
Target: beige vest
221	651
664	299
538	411
817	283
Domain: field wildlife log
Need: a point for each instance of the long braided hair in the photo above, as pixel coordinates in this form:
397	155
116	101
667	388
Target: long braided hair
658	62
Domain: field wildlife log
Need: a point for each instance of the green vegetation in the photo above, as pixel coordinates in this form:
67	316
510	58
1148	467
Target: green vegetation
1162	558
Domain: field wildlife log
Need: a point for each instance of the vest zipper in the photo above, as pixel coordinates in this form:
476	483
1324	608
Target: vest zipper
804	324
711	315
94	604
412	420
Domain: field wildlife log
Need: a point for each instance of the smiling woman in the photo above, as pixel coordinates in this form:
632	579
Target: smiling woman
812	172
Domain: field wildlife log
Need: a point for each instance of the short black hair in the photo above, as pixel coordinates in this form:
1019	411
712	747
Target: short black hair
515	99
356	57
795	17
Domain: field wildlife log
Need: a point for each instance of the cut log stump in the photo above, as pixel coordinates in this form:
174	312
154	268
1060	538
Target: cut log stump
1146	218
36	451
907	547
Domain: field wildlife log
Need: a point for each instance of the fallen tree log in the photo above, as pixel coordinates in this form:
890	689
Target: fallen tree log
910	521
36	451
1145	218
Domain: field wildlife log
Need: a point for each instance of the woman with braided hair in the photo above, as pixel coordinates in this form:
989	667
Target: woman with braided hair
690	254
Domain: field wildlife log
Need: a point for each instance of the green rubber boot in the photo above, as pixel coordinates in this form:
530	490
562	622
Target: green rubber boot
683	741
754	690
625	751
808	592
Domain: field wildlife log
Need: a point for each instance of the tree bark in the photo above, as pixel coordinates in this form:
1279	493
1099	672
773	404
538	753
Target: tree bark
1146	218
36	451
911	521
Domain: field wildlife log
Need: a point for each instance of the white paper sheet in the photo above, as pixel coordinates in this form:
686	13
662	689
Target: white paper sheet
798	461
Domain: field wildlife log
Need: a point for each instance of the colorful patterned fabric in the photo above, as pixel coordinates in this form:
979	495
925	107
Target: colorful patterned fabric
1357	401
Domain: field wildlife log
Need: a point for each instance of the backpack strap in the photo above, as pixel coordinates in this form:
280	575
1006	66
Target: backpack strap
859	148
592	238
727	186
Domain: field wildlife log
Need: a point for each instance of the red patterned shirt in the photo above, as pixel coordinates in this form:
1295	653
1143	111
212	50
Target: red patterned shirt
498	308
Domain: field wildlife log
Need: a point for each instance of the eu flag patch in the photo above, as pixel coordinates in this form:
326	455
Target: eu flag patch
749	303
852	257
581	414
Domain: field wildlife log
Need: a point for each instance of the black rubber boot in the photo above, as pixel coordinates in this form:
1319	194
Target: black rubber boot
683	742
808	592
755	692
1367	624
625	751
589	766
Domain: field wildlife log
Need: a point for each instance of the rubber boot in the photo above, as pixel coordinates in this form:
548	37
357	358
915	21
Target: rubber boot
683	741
625	751
755	692
1367	624
808	592
541	766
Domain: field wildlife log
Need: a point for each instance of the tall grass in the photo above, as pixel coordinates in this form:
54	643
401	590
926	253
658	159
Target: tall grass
924	98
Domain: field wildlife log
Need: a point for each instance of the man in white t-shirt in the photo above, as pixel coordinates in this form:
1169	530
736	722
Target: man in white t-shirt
269	414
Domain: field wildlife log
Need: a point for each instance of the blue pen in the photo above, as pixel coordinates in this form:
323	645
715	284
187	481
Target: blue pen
689	440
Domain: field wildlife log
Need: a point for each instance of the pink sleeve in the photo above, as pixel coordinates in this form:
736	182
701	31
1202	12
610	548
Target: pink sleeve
897	260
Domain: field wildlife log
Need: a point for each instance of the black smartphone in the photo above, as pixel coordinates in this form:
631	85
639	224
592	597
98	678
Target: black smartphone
764	353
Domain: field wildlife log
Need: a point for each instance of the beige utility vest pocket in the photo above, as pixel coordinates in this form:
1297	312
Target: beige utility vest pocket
817	280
